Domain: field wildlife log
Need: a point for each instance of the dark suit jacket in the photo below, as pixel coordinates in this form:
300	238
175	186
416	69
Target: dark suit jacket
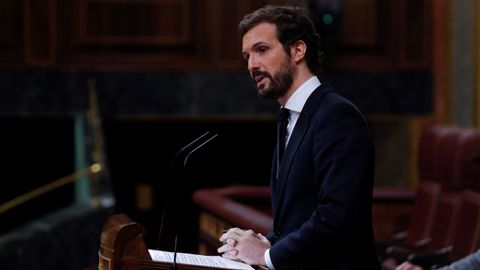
322	198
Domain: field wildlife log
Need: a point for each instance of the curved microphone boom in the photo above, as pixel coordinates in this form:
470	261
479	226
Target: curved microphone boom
196	148
187	147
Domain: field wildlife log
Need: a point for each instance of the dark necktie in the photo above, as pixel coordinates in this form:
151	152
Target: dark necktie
282	123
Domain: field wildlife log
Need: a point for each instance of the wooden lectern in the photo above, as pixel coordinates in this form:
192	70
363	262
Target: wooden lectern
122	248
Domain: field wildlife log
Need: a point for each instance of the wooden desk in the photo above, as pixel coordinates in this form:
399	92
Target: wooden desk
122	248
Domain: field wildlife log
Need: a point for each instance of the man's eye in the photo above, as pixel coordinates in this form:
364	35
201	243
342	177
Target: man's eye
263	49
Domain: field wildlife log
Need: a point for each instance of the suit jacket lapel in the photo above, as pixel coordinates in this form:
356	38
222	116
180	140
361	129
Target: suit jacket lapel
296	138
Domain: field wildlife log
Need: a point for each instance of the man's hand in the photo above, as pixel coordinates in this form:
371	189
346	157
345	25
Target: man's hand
408	266
246	246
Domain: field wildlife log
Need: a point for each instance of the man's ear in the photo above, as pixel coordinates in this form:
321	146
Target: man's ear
298	50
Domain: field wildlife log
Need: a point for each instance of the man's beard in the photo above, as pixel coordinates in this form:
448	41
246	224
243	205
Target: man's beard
280	83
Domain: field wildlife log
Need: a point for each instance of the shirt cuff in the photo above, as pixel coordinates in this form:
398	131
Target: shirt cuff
269	263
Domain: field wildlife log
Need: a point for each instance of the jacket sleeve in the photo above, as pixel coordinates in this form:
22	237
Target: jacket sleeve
469	262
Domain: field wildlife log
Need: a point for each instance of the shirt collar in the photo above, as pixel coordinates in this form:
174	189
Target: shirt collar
299	97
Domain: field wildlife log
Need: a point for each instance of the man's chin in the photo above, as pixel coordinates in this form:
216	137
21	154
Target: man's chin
266	93
261	90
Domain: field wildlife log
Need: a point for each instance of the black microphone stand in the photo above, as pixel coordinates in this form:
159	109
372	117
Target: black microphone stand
179	164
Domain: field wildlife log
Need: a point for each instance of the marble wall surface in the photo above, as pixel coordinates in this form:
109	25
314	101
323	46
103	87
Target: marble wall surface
49	91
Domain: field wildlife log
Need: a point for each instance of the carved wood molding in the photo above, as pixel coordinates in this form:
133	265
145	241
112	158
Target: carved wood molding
141	22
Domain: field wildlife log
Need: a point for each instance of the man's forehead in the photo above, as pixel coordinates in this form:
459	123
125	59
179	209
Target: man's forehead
262	32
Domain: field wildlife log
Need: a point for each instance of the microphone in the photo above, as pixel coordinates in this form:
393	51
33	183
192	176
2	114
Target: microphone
180	161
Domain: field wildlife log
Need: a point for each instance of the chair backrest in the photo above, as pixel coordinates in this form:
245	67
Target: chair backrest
467	237
446	159
446	220
423	211
427	147
468	170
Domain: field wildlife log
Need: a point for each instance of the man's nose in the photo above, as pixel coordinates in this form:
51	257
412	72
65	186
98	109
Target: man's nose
252	63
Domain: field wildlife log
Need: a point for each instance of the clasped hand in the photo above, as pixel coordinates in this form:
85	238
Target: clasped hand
244	245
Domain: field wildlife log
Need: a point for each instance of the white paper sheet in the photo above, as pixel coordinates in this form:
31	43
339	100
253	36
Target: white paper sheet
199	260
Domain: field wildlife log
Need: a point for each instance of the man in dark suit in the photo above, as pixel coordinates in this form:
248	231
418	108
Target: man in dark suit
322	180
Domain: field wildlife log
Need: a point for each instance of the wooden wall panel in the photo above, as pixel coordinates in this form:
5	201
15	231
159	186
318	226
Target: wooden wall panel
476	97
230	47
440	58
417	26
178	34
11	31
145	22
385	34
190	34
367	37
40	32
128	33
359	23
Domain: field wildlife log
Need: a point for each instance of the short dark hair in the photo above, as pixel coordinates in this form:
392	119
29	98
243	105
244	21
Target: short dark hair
292	24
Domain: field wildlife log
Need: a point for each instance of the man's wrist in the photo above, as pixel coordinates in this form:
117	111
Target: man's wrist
268	261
